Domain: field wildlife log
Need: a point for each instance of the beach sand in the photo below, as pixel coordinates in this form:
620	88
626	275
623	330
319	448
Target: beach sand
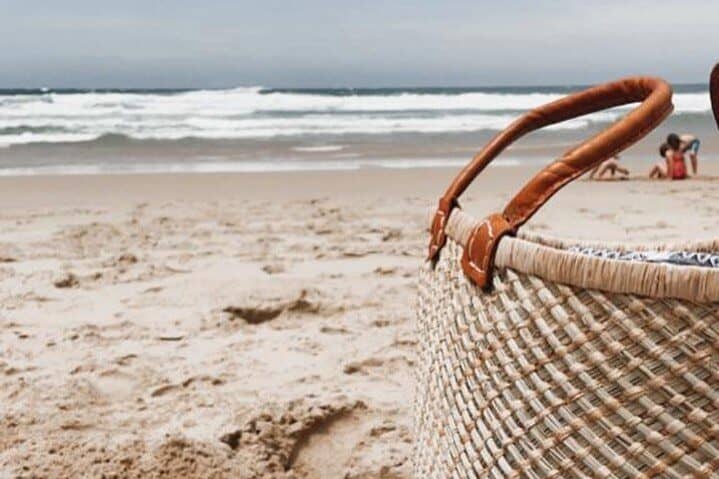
251	326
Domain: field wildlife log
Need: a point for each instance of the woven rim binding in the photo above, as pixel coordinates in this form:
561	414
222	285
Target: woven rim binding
548	258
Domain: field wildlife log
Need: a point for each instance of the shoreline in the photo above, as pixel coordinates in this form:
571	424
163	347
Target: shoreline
85	190
420	186
17	190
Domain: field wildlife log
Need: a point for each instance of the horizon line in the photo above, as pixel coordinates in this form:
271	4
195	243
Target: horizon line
313	88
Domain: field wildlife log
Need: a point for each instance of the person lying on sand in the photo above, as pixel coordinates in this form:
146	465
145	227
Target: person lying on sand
673	166
612	166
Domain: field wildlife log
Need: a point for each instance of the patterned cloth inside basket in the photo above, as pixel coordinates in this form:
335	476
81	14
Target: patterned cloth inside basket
684	258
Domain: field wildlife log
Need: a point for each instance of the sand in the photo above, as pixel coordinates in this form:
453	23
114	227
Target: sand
251	326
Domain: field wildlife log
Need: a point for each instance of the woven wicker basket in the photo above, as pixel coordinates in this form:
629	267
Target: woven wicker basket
540	359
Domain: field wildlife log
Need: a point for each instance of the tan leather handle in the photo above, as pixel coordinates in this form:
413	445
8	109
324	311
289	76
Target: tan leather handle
655	95
714	92
657	105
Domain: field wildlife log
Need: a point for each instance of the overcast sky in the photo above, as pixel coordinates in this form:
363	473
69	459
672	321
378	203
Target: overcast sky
317	43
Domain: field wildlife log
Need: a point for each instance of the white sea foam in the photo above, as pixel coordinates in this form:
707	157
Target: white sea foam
319	148
250	113
49	130
241	101
252	100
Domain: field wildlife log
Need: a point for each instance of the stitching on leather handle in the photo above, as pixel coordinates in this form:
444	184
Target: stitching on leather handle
478	265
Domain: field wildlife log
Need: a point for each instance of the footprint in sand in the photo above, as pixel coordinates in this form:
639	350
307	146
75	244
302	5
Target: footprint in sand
263	309
274	268
318	441
322	451
385	271
384	366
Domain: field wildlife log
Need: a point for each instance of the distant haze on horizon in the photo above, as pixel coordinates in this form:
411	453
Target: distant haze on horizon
325	43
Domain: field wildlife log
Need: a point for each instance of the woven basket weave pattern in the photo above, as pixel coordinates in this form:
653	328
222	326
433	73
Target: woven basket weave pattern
542	380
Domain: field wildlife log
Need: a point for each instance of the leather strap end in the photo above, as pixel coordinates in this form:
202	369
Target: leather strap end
438	237
479	252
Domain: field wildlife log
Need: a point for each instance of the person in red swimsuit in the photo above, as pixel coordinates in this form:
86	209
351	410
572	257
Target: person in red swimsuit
672	166
676	165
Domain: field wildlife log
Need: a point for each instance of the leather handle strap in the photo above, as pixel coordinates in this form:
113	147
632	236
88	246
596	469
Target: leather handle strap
714	92
655	95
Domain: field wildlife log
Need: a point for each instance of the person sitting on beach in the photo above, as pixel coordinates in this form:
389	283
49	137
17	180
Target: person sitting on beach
690	144
659	170
677	167
674	167
612	166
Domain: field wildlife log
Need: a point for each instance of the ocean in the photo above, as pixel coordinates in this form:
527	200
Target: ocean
47	131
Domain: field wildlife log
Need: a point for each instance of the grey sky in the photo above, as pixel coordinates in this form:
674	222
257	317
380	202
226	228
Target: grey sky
314	43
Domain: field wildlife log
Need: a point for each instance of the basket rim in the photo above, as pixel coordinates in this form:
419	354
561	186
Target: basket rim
547	257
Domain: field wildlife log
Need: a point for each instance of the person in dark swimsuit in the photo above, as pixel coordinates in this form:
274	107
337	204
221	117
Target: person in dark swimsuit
690	146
